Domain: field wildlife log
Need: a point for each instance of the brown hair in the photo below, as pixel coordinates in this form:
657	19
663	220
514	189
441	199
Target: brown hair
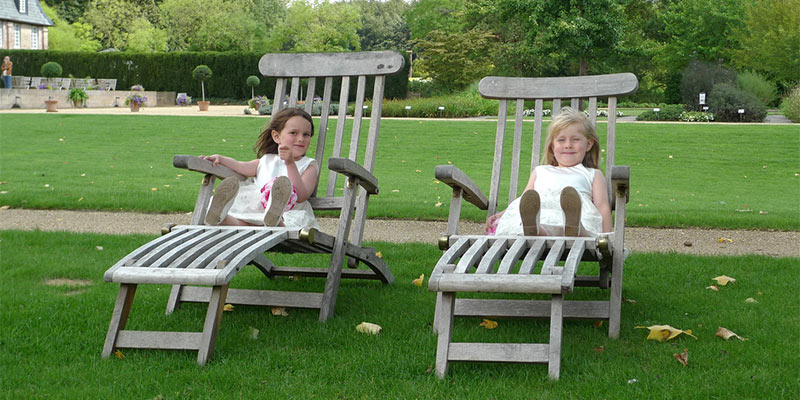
265	144
566	117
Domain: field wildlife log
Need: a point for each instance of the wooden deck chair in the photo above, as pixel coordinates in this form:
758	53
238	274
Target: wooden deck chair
511	264
211	256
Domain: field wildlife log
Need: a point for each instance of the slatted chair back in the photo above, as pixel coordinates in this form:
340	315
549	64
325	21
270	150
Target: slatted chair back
35	82
572	90
305	73
65	83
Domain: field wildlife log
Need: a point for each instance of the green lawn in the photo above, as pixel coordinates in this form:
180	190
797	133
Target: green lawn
703	175
52	336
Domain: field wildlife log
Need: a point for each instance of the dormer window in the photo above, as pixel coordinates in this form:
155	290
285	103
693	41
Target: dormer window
23	6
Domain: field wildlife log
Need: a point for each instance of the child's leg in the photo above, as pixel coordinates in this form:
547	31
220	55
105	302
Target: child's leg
529	205
223	200
571	205
279	195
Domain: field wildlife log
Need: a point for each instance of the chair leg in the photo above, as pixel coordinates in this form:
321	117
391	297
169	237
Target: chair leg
615	297
211	325
556	327
437	309
174	301
332	284
119	317
444	321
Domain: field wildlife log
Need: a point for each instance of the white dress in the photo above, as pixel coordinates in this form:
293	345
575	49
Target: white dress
247	205
550	180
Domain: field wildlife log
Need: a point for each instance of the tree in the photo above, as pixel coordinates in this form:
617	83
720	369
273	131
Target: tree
770	40
145	38
455	60
111	21
383	25
442	15
64	36
219	25
318	27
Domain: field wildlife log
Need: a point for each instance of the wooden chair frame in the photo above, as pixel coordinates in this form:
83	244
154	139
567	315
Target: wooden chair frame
511	264
195	254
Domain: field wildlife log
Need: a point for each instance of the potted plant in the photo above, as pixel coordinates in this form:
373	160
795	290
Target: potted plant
136	100
258	101
183	99
202	73
253	81
77	96
50	70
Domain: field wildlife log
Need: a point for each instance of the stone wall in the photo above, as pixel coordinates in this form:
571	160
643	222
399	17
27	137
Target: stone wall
34	98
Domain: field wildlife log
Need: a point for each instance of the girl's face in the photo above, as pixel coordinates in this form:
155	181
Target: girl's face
296	135
570	146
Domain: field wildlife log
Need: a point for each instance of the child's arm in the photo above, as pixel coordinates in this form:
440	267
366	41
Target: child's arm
304	184
600	199
246	168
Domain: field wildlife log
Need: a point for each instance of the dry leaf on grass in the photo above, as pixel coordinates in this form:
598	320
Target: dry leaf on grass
750	300
683	358
713	287
227	307
598	324
418	281
370	328
280	312
600	349
379	254
723	280
631	301
727	334
489	324
663	333
119	355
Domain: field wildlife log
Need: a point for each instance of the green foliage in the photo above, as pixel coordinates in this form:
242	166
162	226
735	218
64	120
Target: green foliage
464	104
442	15
790	106
211	25
726	100
77	94
701	76
51	69
253	81
383	25
770	40
145	38
455	60
111	21
201	73
759	86
666	112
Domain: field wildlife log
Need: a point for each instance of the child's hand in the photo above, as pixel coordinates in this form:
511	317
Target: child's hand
285	153
490	223
215	159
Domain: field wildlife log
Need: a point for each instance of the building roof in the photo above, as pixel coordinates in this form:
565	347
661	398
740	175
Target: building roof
9	11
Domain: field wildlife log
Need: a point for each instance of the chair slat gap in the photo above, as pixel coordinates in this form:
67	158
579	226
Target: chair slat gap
515	154
358	115
538	116
280	90
293	92
497	166
322	132
312	87
344	94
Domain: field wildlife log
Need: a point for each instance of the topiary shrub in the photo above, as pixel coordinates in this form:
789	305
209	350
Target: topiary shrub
701	76
791	105
666	112
759	86
202	73
51	69
725	101
252	82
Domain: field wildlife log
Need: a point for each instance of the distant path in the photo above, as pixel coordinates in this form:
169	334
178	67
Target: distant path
702	241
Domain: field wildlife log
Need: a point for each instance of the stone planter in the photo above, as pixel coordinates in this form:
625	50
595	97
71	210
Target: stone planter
203	105
50	105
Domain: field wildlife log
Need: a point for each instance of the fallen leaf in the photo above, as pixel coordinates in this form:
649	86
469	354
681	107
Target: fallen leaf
418	281
726	334
280	311
724	240
395	191
119	355
600	349
631	301
370	328
5	207
418	171
683	358
713	287
429	370
763	212
253	333
154	189
663	333
99	248
598	324
438	204
489	324
227	307
750	300
723	280
379	254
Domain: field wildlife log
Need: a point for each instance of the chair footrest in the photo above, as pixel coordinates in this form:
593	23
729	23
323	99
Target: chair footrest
159	340
500	283
573	309
499	352
250	297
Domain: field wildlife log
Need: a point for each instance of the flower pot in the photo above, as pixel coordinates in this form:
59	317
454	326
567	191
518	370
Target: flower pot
77	103
135	107
203	105
50	105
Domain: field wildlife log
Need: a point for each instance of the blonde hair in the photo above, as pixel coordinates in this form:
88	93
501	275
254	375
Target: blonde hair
566	117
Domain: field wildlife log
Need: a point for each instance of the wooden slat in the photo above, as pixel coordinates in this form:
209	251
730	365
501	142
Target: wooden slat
537	133
494	87
159	340
550	265
592	310
309	102
532	258
141	251
512	256
515	152
330	64
556	107
280	91
293	92
250	297
490	258
472	255
449	258
593	113
168	252
238	255
571	265
188	257
499	352
358	115
344	94
512	283
204	259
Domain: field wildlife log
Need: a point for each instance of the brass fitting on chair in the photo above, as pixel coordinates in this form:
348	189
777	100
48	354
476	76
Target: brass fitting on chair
444	242
307	235
350	183
207	179
603	245
167	228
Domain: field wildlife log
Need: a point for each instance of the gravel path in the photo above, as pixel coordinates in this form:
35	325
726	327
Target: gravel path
689	241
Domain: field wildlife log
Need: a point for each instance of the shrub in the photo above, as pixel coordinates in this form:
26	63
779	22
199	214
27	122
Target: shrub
759	86
77	95
666	112
696	116
791	104
465	104
701	76
51	69
726	100
202	73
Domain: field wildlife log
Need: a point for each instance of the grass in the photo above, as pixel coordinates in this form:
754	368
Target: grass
53	335
701	175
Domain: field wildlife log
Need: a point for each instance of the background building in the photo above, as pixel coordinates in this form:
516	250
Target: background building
23	25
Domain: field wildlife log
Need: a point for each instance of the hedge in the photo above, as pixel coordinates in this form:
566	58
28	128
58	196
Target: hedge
173	71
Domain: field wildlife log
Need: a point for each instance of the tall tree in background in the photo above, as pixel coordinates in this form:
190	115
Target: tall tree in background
111	21
318	27
383	25
455	59
65	36
442	15
218	25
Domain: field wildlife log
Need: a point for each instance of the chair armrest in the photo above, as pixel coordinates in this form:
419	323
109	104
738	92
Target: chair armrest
351	169
453	176
194	163
620	183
